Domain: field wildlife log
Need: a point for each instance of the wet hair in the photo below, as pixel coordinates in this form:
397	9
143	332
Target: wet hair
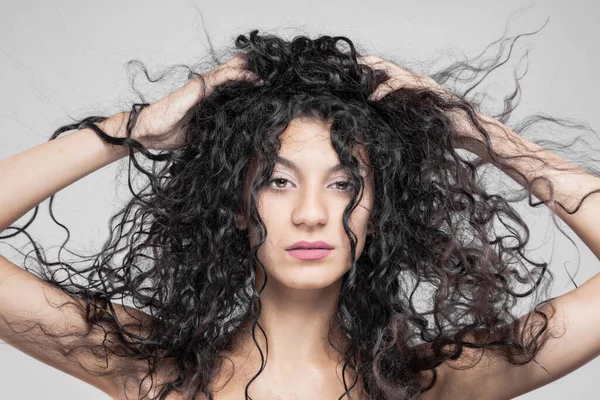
177	254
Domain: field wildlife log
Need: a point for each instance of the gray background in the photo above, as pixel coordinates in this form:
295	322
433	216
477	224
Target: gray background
66	58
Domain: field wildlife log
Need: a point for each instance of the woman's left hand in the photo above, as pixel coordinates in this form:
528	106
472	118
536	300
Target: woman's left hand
399	77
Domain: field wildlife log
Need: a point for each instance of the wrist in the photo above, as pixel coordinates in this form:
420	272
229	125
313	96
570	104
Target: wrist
467	137
115	126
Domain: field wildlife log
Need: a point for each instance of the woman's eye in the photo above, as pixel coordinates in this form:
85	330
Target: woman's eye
279	180
344	184
278	184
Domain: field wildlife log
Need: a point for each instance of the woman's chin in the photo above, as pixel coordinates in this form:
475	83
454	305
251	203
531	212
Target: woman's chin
314	277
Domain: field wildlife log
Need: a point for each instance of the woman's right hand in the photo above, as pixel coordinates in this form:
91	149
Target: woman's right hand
157	124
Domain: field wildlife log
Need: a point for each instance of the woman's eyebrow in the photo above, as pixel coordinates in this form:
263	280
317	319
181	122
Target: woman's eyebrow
290	164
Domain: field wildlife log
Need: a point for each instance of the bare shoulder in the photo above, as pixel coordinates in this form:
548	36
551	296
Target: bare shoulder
48	324
568	346
132	387
443	389
447	386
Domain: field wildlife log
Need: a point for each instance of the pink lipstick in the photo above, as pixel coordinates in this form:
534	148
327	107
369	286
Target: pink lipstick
309	254
310	250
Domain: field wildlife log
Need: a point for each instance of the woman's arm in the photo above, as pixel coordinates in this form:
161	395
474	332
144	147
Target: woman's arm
577	316
570	184
27	179
577	311
30	177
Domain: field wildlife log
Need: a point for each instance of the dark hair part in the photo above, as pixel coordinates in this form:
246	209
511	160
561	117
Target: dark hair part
186	264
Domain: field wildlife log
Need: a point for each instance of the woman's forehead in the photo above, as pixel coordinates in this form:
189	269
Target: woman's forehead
309	140
302	132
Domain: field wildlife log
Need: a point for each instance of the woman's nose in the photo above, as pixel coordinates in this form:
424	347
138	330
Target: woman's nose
310	208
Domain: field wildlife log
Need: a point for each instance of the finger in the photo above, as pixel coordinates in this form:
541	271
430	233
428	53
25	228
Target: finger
238	61
383	89
244	75
249	75
371	60
376	95
256	79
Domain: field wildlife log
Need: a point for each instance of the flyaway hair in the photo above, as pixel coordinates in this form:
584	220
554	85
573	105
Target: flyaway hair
175	252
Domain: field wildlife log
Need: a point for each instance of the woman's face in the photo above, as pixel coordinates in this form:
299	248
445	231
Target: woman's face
305	201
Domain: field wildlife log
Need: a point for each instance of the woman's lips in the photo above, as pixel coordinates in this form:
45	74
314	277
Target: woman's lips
309	254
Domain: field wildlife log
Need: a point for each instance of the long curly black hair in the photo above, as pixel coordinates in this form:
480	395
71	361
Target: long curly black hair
177	254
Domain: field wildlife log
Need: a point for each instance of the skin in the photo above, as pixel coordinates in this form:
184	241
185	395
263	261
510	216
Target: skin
301	296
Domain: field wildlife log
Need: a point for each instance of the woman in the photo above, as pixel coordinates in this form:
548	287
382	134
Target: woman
308	194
